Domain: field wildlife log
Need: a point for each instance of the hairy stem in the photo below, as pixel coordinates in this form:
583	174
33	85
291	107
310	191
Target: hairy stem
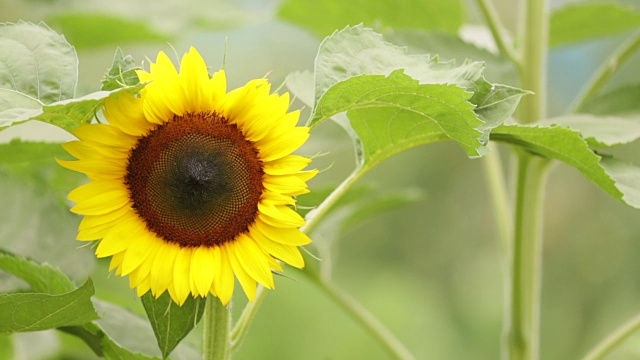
216	341
494	177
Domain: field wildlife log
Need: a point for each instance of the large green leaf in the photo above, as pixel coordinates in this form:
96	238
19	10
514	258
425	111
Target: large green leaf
37	62
122	72
395	113
171	322
324	16
41	278
113	351
567	145
450	47
357	51
585	21
67	114
87	30
627	178
623	100
37	311
601	131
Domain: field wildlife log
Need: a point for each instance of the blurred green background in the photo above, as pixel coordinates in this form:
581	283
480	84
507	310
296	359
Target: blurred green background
430	270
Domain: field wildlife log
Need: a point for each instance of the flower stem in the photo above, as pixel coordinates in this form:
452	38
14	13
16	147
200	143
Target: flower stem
314	216
493	22
241	327
614	339
604	73
523	312
216	341
366	320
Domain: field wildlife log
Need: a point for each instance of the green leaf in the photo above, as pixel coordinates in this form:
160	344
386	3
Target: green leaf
450	47
10	99
623	100
87	30
121	74
627	178
41	277
37	62
135	333
36	311
113	351
67	114
324	16
395	113
585	21
357	50
601	131
567	145
171	322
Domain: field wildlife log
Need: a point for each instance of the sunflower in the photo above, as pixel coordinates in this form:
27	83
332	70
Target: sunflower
191	186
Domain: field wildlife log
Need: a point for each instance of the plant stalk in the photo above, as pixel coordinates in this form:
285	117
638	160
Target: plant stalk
369	322
614	340
497	30
216	343
523	312
241	327
604	73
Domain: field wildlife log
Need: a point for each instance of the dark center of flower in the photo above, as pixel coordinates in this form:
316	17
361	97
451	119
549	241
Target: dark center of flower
195	180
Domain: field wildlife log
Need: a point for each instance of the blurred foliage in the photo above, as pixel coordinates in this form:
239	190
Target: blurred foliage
431	270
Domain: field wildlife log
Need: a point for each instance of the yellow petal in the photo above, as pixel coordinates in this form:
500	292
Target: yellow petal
253	260
281	214
223	281
141	246
116	261
119	238
162	268
286	165
194	78
181	270
285	236
203	268
94	227
104	134
289	254
96	169
92	203
246	281
124	111
285	145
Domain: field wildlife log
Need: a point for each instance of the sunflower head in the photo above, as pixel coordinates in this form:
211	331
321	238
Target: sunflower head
193	186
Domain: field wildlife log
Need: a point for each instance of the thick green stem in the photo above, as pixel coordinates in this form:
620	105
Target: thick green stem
602	76
216	340
533	71
614	340
523	312
369	322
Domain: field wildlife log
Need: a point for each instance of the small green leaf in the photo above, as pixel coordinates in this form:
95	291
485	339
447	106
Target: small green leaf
67	114
37	62
567	145
113	351
623	100
41	277
601	131
171	322
585	21
87	30
324	16
36	311
121	74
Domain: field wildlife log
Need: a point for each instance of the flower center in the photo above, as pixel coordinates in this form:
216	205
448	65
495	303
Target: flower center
196	180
